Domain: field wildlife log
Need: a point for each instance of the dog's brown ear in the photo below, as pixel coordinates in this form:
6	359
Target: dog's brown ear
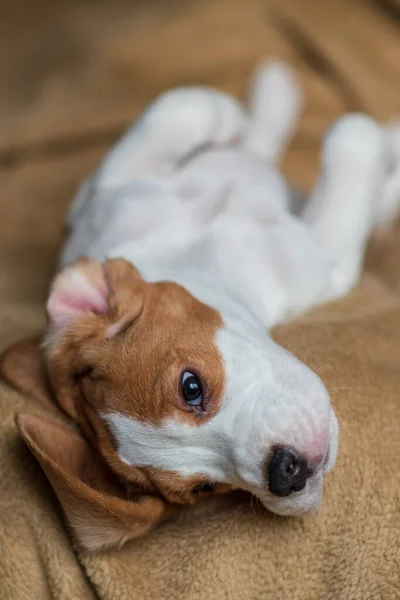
93	502
89	303
21	367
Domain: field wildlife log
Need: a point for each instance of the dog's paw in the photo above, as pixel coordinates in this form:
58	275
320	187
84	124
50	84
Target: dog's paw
356	141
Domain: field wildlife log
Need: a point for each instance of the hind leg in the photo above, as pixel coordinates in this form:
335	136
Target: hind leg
177	124
342	210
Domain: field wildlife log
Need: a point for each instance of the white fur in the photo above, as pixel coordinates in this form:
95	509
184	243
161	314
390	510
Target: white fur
258	410
187	196
275	105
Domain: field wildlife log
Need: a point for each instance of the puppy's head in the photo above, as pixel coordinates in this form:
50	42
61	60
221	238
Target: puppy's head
176	401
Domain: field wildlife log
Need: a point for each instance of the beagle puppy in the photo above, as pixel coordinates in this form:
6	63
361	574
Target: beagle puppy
185	247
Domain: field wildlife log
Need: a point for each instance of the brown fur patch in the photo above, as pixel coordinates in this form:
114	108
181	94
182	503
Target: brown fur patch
94	502
138	371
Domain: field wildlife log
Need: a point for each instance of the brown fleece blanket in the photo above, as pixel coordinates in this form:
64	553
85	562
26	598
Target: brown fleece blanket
73	74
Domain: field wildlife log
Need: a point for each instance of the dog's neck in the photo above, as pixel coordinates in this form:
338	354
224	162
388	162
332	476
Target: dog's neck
206	283
212	278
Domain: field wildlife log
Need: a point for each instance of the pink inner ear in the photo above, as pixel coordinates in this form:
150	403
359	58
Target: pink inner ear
76	291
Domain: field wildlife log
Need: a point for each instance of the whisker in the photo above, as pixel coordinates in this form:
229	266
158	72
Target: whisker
307	354
251	504
321	367
346	387
289	340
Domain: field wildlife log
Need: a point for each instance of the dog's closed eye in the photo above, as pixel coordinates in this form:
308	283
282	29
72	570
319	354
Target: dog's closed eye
204	487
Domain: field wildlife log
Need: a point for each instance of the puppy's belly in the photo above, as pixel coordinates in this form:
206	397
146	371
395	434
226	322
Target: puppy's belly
168	214
233	180
275	269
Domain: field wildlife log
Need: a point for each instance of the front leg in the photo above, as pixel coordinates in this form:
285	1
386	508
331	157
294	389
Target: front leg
343	208
274	108
177	124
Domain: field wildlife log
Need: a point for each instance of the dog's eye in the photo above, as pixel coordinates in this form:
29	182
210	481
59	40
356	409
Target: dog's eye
191	389
204	487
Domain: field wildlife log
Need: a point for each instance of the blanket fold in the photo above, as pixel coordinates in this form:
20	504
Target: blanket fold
74	75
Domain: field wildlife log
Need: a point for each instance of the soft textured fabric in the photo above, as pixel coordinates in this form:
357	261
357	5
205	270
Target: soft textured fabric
73	74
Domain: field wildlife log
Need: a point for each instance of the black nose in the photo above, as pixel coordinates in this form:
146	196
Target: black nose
287	472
